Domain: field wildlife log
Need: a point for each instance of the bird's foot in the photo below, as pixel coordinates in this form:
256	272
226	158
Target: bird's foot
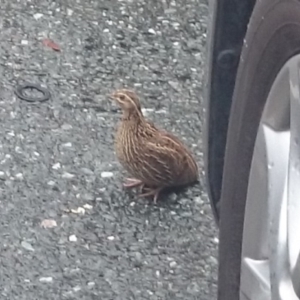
133	182
153	192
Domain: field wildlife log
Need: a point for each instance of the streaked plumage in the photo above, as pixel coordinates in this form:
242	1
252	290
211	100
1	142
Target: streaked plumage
155	158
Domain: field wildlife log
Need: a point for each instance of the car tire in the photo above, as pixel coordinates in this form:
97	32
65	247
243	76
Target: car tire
272	38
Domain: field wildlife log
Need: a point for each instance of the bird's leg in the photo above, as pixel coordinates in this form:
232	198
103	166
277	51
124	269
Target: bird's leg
133	182
154	192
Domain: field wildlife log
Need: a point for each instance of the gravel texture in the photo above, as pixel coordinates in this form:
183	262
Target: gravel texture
68	229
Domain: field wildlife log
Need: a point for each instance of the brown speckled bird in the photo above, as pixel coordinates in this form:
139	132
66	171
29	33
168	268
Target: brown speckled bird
154	158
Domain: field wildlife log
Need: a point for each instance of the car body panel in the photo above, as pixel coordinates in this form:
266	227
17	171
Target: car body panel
228	20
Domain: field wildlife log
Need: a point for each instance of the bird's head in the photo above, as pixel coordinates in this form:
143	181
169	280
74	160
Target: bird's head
128	101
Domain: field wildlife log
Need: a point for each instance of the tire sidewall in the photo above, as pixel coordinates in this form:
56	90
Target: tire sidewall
272	38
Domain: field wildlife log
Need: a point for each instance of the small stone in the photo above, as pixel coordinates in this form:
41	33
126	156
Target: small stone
216	240
67	175
79	210
56	166
66	126
67	145
46	279
87	171
150	292
38	16
11	133
19	176
138	259
174	85
155	251
106	174
111	238
48	223
51	183
87	206
91	284
151	31
173	264
18	149
157	273
27	246
2	175
69	12
24	42
73	238
146	111
76	288
198	200
213	260
193	45
161	111
173	197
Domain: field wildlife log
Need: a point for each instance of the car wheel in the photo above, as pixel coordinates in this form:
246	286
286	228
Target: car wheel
260	201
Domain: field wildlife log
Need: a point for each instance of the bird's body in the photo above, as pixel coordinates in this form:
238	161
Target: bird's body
155	158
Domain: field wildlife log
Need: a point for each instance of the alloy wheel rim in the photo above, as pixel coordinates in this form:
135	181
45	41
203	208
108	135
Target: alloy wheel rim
270	265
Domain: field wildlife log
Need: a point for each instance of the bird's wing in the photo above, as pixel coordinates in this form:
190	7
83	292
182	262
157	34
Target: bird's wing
170	161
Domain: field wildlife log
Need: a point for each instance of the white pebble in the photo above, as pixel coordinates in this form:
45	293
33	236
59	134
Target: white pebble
150	292
73	238
67	175
69	12
11	133
38	16
146	111
48	223
67	145
19	176
152	31
27	246
173	264
66	126
46	279
216	240
56	166
76	288
161	111
87	206
24	42
79	210
18	149
111	238
107	174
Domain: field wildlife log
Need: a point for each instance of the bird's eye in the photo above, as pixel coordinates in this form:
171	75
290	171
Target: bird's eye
122	97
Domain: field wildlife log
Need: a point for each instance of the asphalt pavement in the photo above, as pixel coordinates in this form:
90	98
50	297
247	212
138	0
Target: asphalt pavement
68	229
